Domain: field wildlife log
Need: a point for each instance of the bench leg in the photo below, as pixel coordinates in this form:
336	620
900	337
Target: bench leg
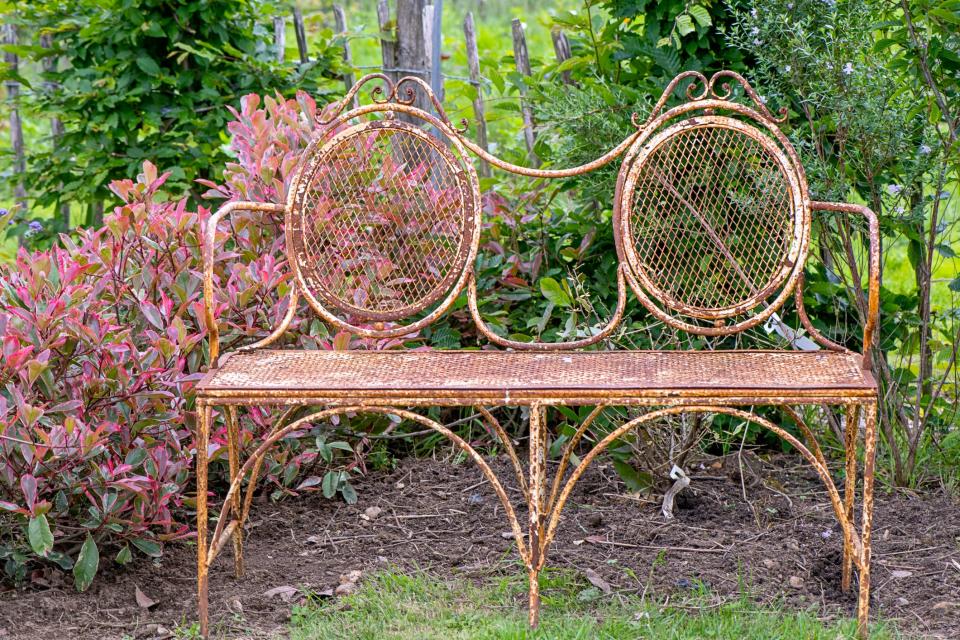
204	416
536	487
233	449
850	489
869	456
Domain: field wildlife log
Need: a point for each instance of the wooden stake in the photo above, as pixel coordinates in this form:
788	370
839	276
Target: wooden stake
16	126
56	127
341	20
473	62
388	44
301	35
436	49
561	47
522	59
280	37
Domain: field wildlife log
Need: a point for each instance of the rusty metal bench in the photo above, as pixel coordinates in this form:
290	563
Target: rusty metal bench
712	221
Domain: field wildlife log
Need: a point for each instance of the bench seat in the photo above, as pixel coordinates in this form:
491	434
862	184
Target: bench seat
509	376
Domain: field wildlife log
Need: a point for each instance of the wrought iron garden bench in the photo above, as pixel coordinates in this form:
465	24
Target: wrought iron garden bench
712	220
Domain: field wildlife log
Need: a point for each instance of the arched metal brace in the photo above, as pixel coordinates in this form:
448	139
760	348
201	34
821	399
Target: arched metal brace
544	500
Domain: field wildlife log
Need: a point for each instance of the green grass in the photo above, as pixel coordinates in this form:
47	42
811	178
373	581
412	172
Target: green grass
395	605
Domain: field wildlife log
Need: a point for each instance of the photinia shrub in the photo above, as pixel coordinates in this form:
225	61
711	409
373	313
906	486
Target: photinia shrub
102	340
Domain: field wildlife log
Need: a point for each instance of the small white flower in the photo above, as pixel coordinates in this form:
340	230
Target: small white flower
826	533
925	149
756	42
894	189
763	99
848	68
790	6
753	13
754	31
899	211
787	68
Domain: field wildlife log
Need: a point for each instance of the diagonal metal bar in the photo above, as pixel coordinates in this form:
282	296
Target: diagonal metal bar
711	232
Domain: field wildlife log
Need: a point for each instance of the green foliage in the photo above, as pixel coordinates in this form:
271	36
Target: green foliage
149	79
393	605
872	90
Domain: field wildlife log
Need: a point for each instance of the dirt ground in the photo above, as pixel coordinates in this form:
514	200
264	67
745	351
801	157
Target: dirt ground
442	518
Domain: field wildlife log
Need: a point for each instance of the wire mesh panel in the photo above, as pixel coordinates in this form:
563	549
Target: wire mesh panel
382	221
713	223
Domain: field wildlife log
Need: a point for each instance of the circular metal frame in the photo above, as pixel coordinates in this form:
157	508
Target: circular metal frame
791	266
447	290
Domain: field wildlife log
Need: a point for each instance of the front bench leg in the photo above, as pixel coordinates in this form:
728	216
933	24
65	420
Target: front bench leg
535	502
204	417
869	458
850	485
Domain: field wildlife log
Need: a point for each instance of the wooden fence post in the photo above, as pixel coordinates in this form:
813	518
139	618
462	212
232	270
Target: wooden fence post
16	126
280	37
56	127
561	47
473	62
341	20
301	32
388	46
522	59
436	49
96	213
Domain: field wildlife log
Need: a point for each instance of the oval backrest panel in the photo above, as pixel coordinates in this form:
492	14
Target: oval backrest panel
714	222
382	221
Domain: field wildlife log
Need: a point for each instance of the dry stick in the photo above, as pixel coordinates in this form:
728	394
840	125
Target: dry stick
341	20
301	35
522	59
473	62
280	37
16	126
561	47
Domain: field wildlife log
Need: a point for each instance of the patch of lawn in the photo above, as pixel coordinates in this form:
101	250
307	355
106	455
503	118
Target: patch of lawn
393	605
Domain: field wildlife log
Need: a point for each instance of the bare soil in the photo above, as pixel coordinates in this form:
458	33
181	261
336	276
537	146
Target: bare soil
731	532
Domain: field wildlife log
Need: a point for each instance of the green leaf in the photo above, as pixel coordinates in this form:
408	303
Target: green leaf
124	555
41	538
149	547
701	15
349	493
330	482
147	65
685	24
635	480
87	564
955	285
554	292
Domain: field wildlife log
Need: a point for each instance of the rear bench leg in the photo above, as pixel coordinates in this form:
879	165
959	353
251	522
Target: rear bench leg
850	489
869	455
203	437
536	487
233	453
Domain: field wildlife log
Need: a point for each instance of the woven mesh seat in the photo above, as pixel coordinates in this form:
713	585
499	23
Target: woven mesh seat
521	374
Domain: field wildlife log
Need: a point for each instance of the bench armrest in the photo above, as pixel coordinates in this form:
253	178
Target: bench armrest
209	237
872	320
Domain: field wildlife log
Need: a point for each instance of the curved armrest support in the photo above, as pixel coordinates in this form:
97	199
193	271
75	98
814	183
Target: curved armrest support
209	236
872	320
